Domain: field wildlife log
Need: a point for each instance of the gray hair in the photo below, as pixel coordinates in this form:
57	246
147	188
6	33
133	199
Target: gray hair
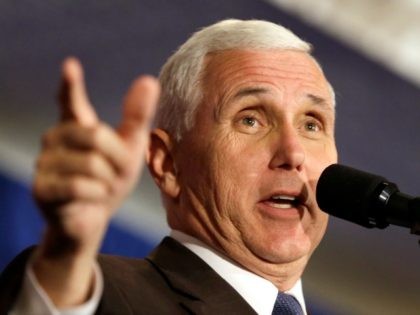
181	75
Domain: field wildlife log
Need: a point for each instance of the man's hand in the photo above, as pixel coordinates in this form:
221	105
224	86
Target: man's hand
84	172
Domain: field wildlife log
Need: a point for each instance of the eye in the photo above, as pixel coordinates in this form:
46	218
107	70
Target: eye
249	121
312	126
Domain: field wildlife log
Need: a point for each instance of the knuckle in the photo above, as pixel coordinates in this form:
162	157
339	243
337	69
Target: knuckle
42	161
56	135
74	187
92	163
101	190
47	138
93	137
41	189
102	134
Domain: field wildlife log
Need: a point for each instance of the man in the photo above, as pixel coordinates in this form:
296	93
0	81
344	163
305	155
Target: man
244	128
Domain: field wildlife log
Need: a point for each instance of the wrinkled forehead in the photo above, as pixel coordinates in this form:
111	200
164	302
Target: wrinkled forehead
229	70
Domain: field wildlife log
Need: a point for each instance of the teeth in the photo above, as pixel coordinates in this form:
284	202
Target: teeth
283	201
281	205
284	197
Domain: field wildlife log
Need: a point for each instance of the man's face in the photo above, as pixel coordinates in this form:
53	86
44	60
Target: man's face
248	168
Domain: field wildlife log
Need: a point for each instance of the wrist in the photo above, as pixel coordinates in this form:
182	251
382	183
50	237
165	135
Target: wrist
67	280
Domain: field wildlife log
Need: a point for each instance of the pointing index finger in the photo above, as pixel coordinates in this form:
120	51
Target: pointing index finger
73	97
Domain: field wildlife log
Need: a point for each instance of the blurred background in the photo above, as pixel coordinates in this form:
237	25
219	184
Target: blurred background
370	51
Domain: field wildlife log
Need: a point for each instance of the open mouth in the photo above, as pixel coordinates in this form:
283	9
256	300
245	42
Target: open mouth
283	201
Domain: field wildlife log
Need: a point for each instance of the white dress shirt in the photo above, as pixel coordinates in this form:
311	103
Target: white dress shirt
258	292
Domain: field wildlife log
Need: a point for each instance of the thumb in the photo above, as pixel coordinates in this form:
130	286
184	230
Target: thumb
73	97
139	107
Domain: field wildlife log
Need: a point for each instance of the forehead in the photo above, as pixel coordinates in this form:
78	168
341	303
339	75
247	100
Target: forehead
281	71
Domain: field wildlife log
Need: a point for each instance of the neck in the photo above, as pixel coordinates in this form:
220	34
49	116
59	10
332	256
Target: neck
282	275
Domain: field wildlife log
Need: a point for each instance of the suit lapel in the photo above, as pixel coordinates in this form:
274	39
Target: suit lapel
11	280
201	289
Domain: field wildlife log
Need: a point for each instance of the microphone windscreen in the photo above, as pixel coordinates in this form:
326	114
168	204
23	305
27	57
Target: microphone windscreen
348	193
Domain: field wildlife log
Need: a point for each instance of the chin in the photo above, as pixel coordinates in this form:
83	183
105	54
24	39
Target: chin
287	253
282	249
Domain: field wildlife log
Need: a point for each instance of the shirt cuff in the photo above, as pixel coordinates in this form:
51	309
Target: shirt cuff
32	299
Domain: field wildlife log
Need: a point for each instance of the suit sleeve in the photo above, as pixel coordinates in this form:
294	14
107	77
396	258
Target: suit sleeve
29	298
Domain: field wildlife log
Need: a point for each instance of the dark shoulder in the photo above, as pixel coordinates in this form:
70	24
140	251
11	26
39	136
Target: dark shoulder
122	267
11	279
130	274
135	286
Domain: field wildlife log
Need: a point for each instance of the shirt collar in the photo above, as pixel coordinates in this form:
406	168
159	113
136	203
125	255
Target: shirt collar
258	292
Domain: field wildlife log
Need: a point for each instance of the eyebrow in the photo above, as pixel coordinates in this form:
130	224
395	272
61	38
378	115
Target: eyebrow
319	101
314	99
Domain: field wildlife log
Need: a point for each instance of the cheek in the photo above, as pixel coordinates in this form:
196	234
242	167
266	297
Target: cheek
244	162
317	230
237	170
318	157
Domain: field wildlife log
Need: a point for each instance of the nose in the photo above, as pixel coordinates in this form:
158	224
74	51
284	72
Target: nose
288	151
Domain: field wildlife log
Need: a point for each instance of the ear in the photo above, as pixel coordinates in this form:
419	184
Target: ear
161	163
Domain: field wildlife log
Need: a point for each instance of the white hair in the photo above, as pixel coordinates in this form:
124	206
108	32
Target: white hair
181	75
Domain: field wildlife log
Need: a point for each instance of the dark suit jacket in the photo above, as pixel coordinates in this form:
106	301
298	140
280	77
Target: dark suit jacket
171	280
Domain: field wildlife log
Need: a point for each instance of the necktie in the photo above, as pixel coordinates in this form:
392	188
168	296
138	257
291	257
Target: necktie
286	305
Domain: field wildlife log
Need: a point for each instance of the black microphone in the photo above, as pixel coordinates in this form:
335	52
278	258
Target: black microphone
366	199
